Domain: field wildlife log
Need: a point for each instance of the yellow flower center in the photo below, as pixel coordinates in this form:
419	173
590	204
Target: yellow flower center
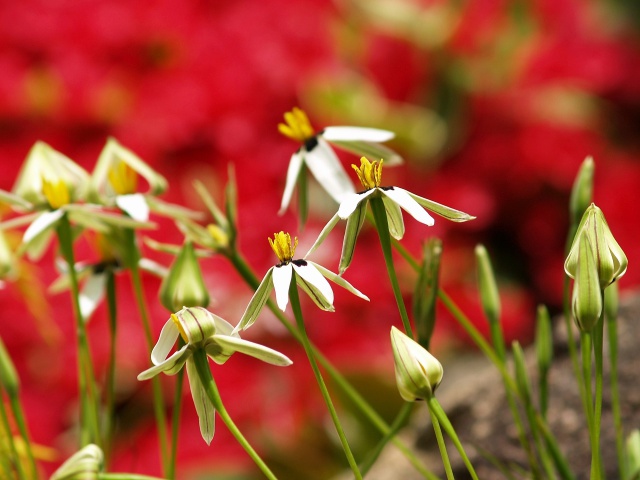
183	334
369	173
56	193
296	126
283	247
123	178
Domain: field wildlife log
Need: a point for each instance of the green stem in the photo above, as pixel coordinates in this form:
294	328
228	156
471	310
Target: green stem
14	458
208	383
297	313
441	445
158	400
436	409
612	334
175	421
86	377
112	312
247	274
597	413
382	225
586	348
18	416
125	476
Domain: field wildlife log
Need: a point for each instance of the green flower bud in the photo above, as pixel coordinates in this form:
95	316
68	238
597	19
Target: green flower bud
85	464
418	373
587	294
489	295
522	380
184	286
610	260
8	374
544	340
633	455
194	324
426	291
582	191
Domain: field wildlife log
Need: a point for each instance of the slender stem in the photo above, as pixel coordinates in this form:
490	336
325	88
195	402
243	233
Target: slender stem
597	412
14	457
86	377
586	347
158	400
112	312
125	476
18	416
247	274
612	334
202	365
441	445
175	421
436	409
297	313
380	216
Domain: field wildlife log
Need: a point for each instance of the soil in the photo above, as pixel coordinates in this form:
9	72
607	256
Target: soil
473	396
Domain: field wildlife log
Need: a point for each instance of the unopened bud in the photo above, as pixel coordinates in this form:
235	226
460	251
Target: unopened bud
184	286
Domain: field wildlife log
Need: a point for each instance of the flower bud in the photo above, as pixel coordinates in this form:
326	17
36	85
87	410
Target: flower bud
418	373
487	284
194	324
582	191
587	294
610	261
544	340
85	464
184	286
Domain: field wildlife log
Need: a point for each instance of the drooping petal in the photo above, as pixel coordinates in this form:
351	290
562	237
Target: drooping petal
439	209
44	222
357	134
295	166
406	201
338	280
394	218
92	294
351	202
323	234
256	303
328	171
228	345
170	366
281	281
354	224
311	278
134	205
166	341
204	407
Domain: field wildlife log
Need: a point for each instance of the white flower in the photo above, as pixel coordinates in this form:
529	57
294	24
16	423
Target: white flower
316	153
354	206
201	329
309	276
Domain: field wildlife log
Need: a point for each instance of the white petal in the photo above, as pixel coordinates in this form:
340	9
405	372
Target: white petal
338	280
281	282
349	204
266	354
204	407
413	208
45	221
311	275
134	205
295	165
357	133
328	171
168	336
92	294
170	366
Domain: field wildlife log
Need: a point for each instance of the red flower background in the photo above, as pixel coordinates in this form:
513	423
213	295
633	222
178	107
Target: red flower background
495	104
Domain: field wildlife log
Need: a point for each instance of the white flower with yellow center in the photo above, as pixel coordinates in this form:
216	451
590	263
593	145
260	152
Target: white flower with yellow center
310	276
395	199
201	329
316	153
49	186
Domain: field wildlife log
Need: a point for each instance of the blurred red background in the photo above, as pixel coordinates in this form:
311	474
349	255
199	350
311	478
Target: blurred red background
495	104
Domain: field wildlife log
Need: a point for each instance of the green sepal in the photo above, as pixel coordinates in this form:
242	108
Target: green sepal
394	218
442	210
204	408
258	301
587	295
354	224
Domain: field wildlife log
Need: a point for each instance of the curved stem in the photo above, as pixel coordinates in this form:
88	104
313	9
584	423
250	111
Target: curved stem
247	274
202	365
297	313
158	399
380	216
86	377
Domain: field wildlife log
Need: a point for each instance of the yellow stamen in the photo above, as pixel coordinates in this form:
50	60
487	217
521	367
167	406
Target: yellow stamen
297	126
123	178
218	234
369	173
56	193
283	247
183	334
